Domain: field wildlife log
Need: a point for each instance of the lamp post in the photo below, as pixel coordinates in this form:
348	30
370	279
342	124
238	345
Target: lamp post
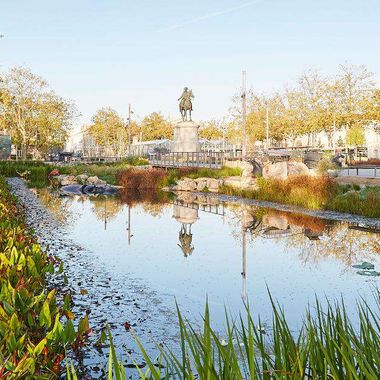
244	114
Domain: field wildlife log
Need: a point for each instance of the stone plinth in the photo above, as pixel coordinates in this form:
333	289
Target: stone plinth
185	215
186	137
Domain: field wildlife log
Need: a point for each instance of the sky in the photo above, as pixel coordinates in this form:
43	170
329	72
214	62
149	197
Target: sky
143	52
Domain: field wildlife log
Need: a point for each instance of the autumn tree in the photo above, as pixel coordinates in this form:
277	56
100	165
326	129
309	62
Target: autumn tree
316	103
211	130
155	126
355	135
107	127
32	113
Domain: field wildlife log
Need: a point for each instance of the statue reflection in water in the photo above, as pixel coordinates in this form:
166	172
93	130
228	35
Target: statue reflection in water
185	239
186	216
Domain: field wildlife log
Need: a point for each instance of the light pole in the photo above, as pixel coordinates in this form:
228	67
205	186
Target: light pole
267	128
130	112
244	114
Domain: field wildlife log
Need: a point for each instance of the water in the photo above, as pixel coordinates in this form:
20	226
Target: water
190	249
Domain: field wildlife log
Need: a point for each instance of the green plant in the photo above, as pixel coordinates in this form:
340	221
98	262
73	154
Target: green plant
327	346
35	326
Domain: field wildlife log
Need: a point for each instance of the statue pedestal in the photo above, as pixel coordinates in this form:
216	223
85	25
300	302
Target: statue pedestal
186	137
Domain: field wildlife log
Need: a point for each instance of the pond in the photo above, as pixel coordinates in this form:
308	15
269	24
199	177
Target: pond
192	248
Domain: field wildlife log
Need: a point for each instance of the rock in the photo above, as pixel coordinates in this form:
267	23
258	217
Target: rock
65	180
277	221
245	166
186	197
297	168
187	184
82	178
94	180
277	170
241	182
213	185
201	183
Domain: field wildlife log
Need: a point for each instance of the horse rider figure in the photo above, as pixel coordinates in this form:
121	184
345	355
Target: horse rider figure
186	238
185	103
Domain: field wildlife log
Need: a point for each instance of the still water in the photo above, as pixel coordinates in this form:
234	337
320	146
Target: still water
192	248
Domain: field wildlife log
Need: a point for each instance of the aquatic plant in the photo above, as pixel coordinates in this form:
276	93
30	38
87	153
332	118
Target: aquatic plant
327	346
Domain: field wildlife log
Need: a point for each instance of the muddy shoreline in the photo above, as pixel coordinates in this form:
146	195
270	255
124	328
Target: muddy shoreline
106	299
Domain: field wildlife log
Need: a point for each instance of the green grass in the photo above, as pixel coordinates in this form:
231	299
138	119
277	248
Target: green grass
38	170
327	346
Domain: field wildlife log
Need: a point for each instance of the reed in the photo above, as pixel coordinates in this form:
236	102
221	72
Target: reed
327	346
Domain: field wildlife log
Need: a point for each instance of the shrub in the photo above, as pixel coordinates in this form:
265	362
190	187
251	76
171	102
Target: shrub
141	178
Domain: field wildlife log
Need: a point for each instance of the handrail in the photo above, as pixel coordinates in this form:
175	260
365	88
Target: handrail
212	160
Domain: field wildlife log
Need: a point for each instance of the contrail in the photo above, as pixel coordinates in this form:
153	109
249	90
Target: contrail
208	16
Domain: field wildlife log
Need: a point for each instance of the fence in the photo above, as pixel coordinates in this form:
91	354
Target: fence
361	171
212	160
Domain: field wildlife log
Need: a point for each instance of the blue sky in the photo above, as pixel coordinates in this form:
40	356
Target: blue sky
114	52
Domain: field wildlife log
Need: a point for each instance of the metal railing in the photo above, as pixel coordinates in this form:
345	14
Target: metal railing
212	160
361	171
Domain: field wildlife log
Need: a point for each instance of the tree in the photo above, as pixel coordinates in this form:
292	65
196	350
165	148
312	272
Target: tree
155	126
371	107
354	85
211	130
107	129
32	113
316	103
355	135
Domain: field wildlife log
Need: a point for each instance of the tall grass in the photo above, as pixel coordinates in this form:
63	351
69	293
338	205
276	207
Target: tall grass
316	193
309	192
327	346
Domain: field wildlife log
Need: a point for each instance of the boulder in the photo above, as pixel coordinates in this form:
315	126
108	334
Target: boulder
186	184
201	183
297	168
277	221
65	180
213	184
246	167
277	170
82	179
241	182
186	197
94	180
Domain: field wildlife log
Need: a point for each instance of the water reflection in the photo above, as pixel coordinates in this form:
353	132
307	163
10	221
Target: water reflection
193	246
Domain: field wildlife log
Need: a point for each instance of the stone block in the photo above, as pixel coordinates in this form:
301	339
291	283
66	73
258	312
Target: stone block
277	170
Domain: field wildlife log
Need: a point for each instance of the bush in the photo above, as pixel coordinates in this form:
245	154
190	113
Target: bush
325	165
141	178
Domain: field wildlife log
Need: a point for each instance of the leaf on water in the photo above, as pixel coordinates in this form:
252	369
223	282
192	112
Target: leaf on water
368	273
364	265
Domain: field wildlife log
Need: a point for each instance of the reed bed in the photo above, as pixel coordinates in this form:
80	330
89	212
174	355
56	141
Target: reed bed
328	346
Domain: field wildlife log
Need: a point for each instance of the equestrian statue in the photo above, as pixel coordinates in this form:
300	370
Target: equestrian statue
185	104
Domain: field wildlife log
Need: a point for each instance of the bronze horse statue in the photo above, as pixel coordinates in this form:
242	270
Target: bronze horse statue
185	104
